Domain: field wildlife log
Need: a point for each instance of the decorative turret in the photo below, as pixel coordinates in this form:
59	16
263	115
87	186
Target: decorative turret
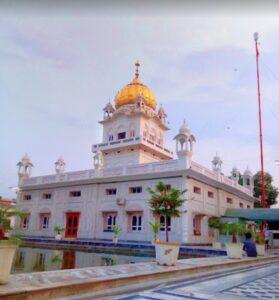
108	110
98	160
184	145
217	164
24	167
60	165
162	115
248	180
235	174
140	101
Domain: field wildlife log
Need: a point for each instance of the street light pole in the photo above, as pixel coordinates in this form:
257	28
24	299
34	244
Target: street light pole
256	37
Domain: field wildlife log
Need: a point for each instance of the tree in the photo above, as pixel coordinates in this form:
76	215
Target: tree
165	202
6	213
271	192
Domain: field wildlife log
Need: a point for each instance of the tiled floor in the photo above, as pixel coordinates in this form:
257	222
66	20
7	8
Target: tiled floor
253	283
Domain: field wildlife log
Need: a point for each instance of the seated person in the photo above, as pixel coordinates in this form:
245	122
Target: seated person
250	246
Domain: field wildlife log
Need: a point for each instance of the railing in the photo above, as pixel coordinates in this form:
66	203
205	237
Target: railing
137	169
156	167
160	148
48	179
201	169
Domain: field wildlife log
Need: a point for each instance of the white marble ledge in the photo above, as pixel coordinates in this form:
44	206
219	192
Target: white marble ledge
53	279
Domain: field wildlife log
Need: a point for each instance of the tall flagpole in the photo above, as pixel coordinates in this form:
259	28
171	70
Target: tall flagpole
256	37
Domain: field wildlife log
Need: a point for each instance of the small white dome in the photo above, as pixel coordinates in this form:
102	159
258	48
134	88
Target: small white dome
184	129
247	172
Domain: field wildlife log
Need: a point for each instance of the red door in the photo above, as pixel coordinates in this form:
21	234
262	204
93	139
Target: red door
69	260
72	221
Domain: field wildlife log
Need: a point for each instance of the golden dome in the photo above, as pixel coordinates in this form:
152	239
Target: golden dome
129	94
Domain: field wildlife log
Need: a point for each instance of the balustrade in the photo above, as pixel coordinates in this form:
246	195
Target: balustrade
156	167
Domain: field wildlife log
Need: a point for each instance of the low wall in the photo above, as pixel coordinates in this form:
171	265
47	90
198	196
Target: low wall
120	247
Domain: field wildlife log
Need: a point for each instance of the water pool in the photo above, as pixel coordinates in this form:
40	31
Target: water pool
29	259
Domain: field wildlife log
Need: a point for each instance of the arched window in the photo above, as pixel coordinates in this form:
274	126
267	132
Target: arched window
197	225
163	223
110	135
121	133
25	221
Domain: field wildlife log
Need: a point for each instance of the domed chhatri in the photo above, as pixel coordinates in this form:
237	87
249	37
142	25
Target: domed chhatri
130	93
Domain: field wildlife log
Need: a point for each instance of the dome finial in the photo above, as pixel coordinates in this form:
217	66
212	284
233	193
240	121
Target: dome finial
137	64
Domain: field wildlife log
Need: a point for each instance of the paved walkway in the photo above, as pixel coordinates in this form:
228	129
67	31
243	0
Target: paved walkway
253	283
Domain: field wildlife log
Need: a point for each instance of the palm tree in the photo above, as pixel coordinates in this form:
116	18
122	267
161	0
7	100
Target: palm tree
165	202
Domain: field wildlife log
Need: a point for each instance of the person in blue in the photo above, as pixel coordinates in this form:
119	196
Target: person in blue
249	245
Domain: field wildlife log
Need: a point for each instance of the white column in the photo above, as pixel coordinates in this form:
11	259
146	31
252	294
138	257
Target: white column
184	215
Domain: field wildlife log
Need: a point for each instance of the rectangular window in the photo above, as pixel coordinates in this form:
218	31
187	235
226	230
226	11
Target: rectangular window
168	186
121	135
241	205
111	191
44	221
75	194
248	206
135	190
25	222
230	200
210	194
136	222
27	197
110	137
163	223
197	190
109	221
47	196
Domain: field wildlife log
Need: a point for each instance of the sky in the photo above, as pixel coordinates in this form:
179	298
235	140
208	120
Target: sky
61	63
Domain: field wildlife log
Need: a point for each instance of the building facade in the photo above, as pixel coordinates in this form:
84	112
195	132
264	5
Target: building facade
132	157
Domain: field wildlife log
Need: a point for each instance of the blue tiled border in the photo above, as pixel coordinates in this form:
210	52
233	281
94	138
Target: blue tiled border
126	245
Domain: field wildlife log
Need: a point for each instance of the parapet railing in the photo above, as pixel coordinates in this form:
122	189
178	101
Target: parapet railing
131	140
155	167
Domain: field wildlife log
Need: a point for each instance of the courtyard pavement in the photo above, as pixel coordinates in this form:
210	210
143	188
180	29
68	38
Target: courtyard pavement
252	283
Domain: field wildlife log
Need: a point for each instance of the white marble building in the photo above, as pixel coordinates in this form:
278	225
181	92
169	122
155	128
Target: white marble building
132	156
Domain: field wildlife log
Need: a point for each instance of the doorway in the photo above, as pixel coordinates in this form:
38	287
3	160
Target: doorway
72	222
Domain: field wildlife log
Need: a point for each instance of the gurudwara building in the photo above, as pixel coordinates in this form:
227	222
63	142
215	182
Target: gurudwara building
131	157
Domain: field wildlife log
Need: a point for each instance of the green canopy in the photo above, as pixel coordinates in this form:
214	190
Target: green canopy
256	214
